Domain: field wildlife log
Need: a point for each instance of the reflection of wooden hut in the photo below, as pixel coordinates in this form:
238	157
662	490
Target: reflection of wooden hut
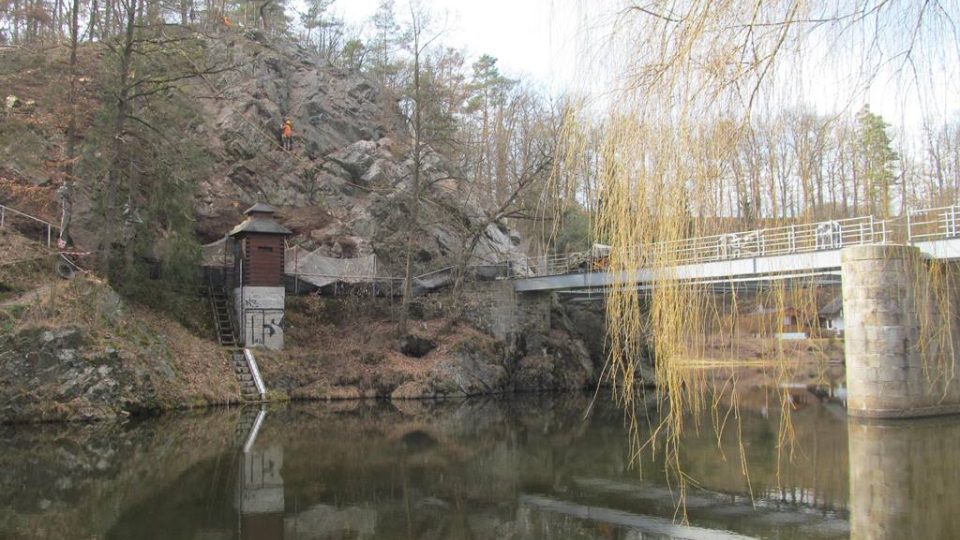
830	316
260	494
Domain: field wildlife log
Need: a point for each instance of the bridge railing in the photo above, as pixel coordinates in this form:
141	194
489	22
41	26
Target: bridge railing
553	264
933	224
785	240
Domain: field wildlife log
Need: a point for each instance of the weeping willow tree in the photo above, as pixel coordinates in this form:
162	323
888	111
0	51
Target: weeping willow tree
681	85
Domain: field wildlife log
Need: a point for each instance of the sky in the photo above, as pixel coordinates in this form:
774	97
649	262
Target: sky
539	41
536	39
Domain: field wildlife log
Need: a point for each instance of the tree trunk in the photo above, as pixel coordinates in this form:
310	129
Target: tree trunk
72	125
415	190
91	27
117	151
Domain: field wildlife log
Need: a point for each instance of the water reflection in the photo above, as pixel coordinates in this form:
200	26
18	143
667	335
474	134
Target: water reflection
905	478
536	467
260	486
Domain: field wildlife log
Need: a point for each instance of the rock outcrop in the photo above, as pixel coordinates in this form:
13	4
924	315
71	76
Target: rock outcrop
105	359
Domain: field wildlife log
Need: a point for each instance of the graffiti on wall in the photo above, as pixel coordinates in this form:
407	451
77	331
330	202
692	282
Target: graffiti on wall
264	327
262	315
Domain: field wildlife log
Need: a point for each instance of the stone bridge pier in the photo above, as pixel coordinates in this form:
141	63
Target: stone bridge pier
902	340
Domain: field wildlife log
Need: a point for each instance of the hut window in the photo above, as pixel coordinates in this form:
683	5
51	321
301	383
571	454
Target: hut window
264	248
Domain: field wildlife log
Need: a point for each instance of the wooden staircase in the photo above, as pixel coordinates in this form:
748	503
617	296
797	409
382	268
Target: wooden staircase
222	317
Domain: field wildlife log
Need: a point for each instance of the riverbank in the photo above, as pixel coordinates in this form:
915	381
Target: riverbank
77	351
344	348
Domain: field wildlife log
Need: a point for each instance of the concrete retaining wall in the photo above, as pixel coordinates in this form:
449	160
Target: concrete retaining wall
260	312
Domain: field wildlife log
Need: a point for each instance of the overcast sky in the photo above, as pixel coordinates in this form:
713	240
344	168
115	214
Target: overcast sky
529	37
540	40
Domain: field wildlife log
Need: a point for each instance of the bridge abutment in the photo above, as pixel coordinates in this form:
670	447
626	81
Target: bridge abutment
496	308
896	367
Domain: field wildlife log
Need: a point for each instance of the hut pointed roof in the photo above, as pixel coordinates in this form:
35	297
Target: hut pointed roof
260	208
260	220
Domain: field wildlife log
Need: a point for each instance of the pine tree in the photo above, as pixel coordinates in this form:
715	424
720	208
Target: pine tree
386	39
876	161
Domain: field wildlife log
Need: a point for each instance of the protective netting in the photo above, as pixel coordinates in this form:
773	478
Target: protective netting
307	266
219	253
318	270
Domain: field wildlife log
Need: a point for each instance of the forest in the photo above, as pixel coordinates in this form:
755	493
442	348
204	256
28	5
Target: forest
501	132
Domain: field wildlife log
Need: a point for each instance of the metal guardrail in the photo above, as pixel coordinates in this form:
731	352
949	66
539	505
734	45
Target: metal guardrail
6	212
933	224
916	226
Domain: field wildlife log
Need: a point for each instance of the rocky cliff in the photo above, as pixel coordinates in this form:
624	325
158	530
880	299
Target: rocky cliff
344	187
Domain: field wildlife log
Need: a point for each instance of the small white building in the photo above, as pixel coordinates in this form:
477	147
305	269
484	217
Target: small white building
830	315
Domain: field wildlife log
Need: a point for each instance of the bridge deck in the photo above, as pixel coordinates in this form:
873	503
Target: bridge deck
762	255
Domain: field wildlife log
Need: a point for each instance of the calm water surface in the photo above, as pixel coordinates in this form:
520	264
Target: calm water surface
530	467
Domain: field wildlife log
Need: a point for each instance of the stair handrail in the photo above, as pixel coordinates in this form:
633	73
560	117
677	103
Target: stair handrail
50	227
254	371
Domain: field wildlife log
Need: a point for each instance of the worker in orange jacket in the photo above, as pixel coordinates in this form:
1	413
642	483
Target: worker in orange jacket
286	134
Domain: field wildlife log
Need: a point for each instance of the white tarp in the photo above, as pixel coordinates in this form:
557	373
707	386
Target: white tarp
308	266
320	270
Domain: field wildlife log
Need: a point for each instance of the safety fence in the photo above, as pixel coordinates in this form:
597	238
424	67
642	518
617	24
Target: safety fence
932	224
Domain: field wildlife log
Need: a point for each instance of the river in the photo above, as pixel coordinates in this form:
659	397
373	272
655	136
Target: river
545	466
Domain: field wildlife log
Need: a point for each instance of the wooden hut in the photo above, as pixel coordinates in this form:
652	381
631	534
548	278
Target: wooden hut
258	269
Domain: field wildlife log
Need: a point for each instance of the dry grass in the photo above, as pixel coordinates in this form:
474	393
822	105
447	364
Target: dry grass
139	335
186	370
333	349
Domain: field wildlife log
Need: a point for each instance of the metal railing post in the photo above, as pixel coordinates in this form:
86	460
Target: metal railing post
3	211
48	235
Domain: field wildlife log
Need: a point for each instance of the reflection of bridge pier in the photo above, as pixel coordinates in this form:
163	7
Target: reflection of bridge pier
904	478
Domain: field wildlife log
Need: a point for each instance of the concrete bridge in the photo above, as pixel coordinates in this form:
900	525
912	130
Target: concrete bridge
902	333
